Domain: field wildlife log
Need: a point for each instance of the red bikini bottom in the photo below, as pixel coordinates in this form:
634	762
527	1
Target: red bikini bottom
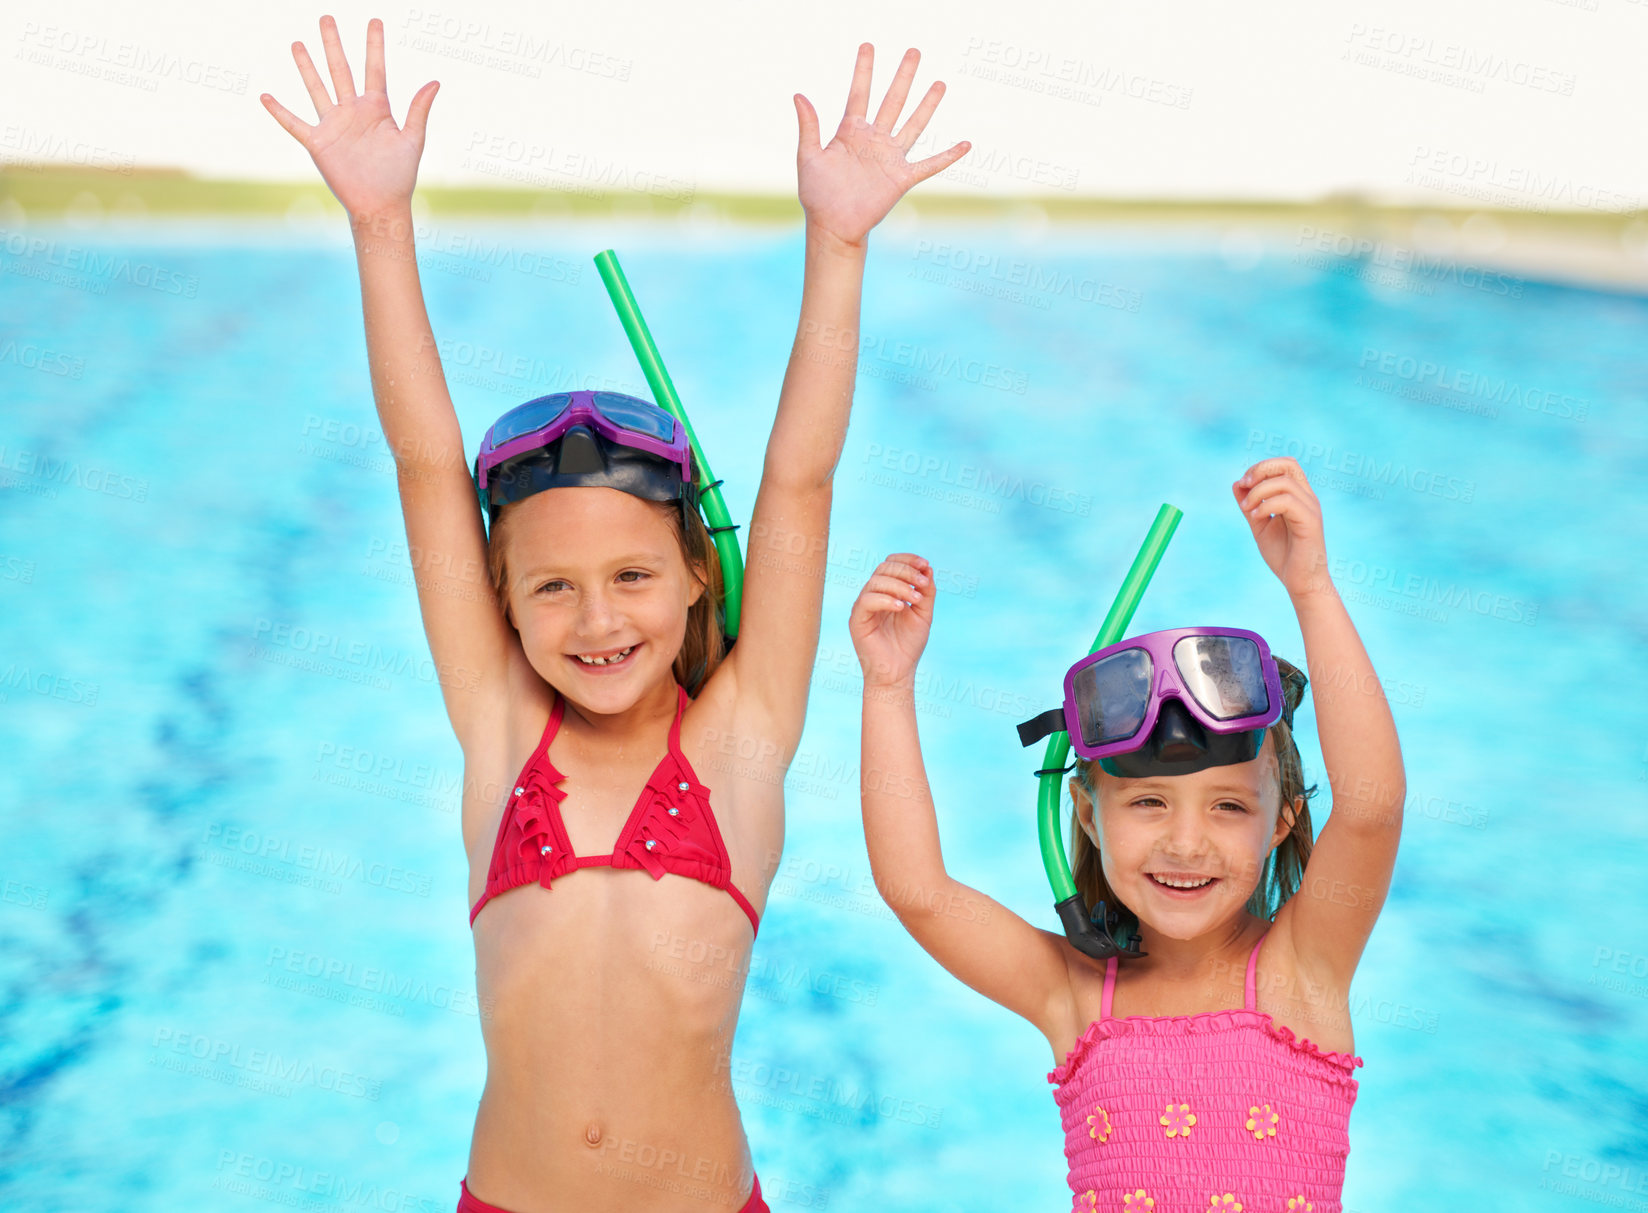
468	1202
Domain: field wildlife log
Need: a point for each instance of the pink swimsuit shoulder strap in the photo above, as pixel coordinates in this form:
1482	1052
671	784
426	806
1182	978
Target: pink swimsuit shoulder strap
1250	988
1250	995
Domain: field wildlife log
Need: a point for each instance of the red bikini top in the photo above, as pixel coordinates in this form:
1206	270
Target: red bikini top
670	829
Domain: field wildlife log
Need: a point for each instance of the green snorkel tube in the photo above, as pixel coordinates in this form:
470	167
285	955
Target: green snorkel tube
1100	934
721	527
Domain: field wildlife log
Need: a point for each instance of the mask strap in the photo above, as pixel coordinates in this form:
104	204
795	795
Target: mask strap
1043	725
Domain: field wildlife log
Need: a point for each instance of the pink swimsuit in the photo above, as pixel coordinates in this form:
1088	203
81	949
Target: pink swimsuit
1216	1111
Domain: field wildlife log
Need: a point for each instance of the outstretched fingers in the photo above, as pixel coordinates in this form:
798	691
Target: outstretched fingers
807	116
294	126
417	111
892	105
343	82
311	79
917	122
858	96
376	78
923	169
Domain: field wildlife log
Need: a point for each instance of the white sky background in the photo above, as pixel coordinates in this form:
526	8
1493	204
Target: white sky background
1540	102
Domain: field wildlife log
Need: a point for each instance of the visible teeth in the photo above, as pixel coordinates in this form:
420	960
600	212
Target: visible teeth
1182	884
606	660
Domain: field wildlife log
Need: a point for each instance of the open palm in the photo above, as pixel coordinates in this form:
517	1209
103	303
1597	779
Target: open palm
369	163
849	186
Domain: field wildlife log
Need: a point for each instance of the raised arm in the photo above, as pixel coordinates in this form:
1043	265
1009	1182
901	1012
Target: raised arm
846	188
1349	870
371	167
977	939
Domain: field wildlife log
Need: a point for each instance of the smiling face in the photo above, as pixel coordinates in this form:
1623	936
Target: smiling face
1185	852
598	589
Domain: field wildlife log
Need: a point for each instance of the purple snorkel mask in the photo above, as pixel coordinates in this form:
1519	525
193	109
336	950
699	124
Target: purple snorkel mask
603	439
1169	703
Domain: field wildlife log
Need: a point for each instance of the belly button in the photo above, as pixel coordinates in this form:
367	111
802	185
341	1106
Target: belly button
592	1135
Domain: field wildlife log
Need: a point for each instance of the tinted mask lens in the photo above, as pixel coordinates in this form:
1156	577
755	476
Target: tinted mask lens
1224	673
533	415
636	415
1111	696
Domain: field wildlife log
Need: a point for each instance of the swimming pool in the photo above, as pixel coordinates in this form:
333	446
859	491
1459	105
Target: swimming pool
233	936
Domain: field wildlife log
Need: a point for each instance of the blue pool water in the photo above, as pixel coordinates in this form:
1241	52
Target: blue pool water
234	959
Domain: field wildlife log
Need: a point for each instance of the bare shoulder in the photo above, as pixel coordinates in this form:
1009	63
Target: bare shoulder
1303	998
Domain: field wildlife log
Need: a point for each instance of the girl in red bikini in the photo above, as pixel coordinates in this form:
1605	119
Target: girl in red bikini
1213	1068
582	604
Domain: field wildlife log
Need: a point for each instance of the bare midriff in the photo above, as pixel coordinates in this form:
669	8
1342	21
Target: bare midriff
608	1005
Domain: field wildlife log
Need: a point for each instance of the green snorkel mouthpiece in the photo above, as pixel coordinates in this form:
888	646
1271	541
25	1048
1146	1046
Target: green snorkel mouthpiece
1100	934
721	527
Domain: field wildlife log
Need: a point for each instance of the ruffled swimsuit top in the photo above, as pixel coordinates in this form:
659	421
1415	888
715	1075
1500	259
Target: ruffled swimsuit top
671	829
1223	1111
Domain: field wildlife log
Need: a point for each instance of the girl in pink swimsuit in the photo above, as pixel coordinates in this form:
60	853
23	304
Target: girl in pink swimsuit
1210	1064
581	660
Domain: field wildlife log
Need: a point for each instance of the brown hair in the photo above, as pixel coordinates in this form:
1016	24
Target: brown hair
703	647
1285	867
